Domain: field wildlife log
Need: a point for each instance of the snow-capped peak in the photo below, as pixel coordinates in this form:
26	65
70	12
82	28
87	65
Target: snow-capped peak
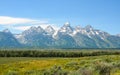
35	29
89	28
50	30
66	28
67	24
32	28
40	29
78	28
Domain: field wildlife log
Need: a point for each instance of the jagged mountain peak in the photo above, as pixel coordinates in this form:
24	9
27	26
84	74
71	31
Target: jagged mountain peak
66	28
78	27
32	28
88	27
67	24
40	29
49	27
50	30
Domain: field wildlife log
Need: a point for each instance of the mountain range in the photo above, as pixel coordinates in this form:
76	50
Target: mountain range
65	37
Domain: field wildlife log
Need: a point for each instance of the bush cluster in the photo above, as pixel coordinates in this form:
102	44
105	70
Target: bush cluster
59	53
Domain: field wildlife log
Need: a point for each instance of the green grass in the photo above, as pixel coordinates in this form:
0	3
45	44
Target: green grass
68	66
7	60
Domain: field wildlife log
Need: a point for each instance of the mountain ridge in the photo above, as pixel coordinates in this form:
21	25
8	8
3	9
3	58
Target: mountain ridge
65	37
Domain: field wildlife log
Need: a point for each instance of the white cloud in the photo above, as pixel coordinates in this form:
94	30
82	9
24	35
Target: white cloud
5	20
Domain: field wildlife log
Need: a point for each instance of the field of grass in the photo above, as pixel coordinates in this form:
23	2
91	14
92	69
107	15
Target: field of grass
92	65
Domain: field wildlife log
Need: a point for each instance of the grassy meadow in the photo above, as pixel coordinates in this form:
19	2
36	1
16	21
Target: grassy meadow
103	63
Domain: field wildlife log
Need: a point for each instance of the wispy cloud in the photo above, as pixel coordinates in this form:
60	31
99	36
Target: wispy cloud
22	24
5	20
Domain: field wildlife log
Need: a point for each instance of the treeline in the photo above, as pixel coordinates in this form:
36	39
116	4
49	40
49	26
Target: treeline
59	53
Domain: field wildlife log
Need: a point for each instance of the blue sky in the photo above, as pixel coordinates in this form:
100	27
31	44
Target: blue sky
18	15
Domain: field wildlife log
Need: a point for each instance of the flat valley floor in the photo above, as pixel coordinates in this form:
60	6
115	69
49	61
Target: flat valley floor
92	65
